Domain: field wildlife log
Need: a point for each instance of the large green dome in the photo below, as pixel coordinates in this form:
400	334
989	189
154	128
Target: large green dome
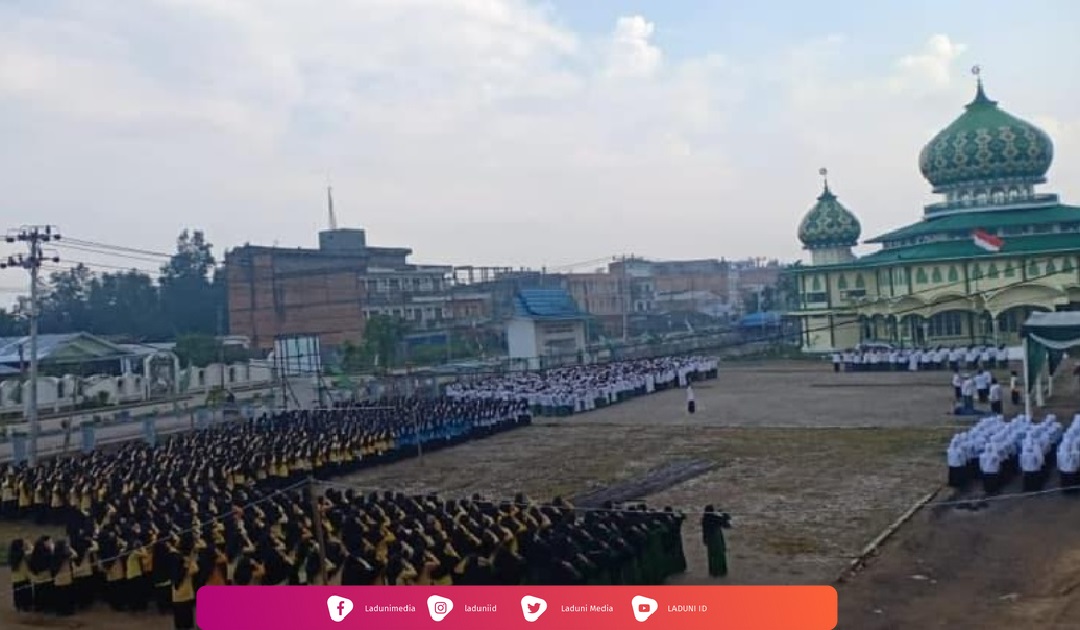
829	224
986	144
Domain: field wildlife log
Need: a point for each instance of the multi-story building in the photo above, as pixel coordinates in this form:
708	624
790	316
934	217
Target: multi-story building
980	260
332	290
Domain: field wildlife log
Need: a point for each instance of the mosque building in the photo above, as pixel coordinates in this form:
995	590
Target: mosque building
990	252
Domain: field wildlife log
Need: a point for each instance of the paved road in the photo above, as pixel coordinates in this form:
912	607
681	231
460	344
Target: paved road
53	444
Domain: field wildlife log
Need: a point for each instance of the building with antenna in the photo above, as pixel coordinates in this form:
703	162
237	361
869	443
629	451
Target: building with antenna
331	291
990	252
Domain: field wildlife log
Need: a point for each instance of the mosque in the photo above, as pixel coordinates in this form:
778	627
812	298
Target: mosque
990	252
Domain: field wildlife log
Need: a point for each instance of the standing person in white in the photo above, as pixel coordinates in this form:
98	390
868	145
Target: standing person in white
691	404
994	395
990	466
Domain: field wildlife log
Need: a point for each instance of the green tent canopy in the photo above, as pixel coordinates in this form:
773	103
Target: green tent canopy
1047	336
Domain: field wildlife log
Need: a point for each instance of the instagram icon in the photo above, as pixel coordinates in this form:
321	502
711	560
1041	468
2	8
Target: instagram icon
439	607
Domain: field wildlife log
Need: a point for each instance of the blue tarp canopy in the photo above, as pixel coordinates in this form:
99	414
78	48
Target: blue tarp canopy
768	318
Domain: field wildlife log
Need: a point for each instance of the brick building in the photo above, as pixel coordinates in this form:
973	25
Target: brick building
330	291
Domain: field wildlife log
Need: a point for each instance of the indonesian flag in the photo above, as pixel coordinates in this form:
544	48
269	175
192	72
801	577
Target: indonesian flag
987	241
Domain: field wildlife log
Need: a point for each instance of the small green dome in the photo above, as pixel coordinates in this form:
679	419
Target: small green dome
829	224
986	143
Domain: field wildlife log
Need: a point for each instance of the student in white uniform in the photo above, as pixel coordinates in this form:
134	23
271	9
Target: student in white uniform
957	465
691	404
982	384
994	396
957	384
967	393
1031	463
990	467
1068	462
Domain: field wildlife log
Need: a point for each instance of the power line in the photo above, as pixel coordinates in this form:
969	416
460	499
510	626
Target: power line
120	248
109	252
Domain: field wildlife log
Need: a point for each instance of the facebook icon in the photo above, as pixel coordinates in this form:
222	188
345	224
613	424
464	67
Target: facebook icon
339	608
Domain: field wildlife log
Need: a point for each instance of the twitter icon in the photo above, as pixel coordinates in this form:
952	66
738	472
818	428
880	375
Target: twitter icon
532	607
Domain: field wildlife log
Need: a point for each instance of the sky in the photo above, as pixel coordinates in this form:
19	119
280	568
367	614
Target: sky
503	132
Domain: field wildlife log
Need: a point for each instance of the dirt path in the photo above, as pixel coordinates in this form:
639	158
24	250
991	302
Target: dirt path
1014	564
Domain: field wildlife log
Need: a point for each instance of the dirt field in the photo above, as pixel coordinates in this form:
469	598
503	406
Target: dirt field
812	465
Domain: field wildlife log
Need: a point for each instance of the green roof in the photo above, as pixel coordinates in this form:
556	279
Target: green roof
990	219
986	143
961	249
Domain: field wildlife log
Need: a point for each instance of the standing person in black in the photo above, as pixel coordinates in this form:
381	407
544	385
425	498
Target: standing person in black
712	528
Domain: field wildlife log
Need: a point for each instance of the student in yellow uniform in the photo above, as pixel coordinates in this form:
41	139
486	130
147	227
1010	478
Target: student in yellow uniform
82	569
9	497
64	580
183	588
113	565
41	503
135	577
22	590
26	499
41	558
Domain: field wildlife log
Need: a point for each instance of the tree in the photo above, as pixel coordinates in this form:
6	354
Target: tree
125	303
62	304
11	324
382	340
188	295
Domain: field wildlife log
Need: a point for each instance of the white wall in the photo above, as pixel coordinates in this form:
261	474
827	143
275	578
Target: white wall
521	339
560	338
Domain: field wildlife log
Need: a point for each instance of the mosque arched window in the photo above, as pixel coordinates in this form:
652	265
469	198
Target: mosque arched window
954	274
1013	194
935	275
1033	268
860	283
841	282
920	276
965	199
1051	268
815	284
998	196
1010	270
1067	265
981	199
976	271
992	271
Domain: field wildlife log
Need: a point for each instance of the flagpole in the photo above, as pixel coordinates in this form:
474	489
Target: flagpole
1027	386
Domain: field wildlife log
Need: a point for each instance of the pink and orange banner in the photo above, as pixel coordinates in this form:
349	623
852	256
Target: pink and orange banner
502	607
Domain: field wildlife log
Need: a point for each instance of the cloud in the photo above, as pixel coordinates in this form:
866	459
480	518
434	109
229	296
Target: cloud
632	52
473	131
932	67
228	114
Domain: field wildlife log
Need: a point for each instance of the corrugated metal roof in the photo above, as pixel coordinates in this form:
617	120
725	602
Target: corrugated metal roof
16	349
47	344
546	304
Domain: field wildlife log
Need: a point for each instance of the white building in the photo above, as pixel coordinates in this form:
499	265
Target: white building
547	329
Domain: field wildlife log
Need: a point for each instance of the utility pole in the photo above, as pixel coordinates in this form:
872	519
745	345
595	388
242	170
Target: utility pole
34	236
625	295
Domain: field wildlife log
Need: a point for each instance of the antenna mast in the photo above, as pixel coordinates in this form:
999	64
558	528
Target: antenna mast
330	206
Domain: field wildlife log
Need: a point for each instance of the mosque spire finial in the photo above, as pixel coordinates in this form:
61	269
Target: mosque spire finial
824	172
980	93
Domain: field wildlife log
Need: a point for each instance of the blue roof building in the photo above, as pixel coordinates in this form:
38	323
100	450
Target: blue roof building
547	328
547	305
